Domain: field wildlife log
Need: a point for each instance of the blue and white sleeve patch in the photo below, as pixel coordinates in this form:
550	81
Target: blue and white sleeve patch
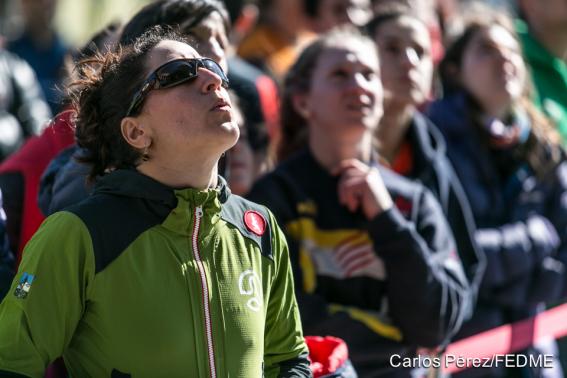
24	286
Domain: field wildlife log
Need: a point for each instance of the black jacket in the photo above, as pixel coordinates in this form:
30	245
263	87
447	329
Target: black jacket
432	168
386	286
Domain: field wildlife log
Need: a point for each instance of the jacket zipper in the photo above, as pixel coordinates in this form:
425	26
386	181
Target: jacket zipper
205	291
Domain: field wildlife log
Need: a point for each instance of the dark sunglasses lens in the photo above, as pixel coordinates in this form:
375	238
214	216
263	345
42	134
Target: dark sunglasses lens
176	73
213	66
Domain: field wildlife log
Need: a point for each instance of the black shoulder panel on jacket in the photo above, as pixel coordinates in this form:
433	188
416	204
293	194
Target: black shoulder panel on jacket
234	210
114	222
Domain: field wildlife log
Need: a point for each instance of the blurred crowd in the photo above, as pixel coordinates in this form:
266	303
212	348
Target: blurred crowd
447	118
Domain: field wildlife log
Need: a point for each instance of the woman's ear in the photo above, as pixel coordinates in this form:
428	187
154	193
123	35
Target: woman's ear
300	105
135	133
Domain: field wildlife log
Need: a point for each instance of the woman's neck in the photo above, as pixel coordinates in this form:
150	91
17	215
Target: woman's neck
393	129
329	151
198	174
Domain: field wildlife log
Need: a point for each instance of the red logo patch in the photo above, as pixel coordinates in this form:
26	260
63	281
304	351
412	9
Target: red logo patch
255	222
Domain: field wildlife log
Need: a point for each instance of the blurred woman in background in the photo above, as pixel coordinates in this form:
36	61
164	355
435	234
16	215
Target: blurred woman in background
408	141
243	165
512	167
372	253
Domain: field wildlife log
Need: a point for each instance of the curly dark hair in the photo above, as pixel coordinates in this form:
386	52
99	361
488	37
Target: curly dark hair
101	96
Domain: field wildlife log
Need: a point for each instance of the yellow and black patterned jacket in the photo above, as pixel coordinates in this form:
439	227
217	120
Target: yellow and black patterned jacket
387	286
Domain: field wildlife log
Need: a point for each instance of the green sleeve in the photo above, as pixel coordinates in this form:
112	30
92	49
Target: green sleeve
47	297
285	351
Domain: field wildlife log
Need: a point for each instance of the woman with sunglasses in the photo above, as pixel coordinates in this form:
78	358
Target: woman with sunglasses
162	271
207	23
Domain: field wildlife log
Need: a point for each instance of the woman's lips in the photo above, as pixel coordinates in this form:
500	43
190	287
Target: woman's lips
221	104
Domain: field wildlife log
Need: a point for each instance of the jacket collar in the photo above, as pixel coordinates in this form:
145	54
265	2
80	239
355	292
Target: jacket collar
426	138
131	183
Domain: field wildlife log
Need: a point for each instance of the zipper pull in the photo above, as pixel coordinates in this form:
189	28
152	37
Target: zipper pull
199	212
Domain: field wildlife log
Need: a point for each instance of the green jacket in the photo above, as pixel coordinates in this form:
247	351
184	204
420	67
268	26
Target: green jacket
549	74
142	280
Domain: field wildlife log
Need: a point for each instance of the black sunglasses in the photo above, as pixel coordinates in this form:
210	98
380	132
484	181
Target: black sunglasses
174	73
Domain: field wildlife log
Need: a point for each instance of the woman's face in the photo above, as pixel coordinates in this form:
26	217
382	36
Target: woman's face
493	69
193	119
346	92
211	37
405	60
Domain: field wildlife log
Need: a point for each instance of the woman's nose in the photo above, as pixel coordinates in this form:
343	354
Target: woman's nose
211	81
360	84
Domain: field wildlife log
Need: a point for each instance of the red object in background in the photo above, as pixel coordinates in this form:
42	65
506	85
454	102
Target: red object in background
509	338
327	354
403	162
437	48
30	161
269	102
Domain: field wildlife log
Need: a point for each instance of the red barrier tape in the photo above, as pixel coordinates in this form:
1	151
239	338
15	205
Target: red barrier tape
511	337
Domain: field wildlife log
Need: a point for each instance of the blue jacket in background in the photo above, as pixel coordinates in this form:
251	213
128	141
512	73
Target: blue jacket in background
64	182
521	220
48	64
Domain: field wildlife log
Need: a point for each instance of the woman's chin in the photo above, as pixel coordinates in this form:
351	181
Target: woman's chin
232	127
230	132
